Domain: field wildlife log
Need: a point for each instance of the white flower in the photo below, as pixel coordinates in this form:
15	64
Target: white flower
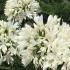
64	67
26	1
30	40
7	42
26	58
17	10
38	20
48	45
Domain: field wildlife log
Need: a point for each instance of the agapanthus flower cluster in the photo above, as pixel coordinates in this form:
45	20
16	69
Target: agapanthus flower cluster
7	42
17	10
47	45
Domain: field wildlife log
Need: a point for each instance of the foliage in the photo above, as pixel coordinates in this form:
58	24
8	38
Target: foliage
2	6
58	7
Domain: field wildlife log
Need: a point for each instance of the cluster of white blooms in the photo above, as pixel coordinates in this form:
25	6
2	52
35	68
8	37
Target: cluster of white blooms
7	41
47	45
18	9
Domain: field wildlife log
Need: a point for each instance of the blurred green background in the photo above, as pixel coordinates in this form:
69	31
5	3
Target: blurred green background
57	7
54	7
2	6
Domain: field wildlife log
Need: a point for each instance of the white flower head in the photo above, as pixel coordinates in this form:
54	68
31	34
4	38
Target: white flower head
7	41
17	10
48	45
